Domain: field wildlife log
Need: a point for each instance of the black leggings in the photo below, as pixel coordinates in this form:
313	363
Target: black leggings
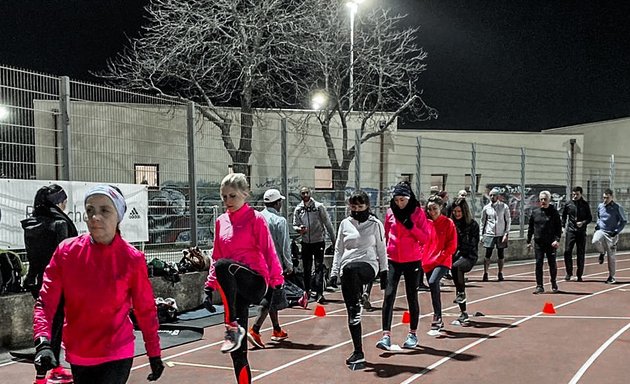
410	270
239	287
310	252
354	276
435	276
113	372
460	284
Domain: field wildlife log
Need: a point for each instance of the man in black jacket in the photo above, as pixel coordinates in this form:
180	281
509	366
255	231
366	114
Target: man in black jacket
546	229
578	213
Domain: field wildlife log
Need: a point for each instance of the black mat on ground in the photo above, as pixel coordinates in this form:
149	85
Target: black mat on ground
169	337
201	318
24	354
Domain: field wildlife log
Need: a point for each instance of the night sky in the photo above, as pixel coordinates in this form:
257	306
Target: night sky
492	65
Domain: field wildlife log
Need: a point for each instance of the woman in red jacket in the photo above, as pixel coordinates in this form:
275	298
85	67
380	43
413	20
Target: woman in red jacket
407	231
101	277
438	262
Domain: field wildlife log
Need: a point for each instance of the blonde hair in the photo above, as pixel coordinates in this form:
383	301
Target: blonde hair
237	181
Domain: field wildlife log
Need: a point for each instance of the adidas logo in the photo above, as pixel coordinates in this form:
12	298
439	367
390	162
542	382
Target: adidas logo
134	213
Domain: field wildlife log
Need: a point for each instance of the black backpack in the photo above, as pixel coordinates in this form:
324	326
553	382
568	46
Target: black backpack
10	272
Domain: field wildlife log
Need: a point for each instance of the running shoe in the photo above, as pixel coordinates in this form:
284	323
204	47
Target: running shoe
567	277
463	318
40	381
303	301
279	335
233	338
60	375
485	276
579	279
365	301
539	289
601	258
460	298
255	339
437	324
611	280
500	277
554	287
385	343
423	288
320	299
411	342
357	357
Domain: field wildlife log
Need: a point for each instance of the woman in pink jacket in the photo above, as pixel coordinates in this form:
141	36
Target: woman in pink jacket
244	267
437	262
407	232
101	277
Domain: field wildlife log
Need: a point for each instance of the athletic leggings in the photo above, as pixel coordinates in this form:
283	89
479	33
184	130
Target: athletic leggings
435	276
239	287
353	277
263	312
113	372
312	251
410	270
460	284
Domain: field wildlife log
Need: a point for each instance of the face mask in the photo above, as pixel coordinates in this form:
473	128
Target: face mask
360	216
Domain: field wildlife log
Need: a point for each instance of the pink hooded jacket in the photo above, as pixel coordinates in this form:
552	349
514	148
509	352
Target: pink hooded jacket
244	236
405	245
445	245
100	284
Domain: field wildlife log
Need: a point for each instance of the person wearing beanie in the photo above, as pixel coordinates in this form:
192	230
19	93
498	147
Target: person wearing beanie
407	233
98	277
43	231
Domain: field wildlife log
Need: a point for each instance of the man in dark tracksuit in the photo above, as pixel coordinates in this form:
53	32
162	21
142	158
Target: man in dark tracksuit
578	213
546	228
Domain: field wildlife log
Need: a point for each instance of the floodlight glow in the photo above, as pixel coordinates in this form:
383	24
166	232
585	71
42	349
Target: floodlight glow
4	112
319	101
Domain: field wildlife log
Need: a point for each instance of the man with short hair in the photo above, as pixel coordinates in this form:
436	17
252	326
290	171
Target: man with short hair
545	227
279	230
576	215
311	221
611	219
495	228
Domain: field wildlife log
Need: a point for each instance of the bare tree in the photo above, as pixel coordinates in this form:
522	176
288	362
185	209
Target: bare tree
219	53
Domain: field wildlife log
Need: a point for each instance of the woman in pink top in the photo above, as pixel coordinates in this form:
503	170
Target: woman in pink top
438	262
244	266
101	277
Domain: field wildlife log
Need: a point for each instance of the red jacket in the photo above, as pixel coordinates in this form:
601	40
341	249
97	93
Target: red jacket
100	284
406	245
445	245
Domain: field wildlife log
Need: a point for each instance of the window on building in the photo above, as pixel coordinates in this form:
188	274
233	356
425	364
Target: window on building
468	182
148	174
408	177
323	178
438	182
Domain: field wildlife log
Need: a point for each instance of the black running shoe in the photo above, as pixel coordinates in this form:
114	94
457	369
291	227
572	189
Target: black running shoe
485	277
355	358
601	258
500	277
539	289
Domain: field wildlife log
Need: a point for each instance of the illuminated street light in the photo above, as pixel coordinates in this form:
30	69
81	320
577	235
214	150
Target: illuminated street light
354	6
319	100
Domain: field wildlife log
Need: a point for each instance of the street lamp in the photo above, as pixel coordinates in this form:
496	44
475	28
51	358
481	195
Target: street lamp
319	100
354	6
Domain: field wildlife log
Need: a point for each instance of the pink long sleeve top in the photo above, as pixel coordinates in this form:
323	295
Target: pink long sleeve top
243	236
406	245
100	284
445	245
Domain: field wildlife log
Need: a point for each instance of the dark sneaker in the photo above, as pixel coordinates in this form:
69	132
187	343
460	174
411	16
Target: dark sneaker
485	277
500	277
233	338
365	301
463	318
554	287
411	342
460	298
320	299
385	343
423	288
437	325
579	279
355	358
448	276
611	280
539	289
601	258
567	278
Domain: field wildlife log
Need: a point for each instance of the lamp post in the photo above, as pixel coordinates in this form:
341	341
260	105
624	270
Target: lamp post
354	6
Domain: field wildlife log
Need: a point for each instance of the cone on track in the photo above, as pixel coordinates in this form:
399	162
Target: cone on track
549	309
406	318
320	311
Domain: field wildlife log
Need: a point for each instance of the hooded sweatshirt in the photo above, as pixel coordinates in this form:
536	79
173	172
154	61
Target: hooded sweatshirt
406	245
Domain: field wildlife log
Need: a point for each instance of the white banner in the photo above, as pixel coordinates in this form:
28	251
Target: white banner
16	204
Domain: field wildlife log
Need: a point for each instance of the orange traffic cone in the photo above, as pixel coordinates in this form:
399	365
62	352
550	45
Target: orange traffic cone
320	311
549	309
406	318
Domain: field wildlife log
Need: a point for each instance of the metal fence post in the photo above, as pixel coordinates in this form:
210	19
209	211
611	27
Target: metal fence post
473	179
419	166
283	166
192	173
521	231
569	176
357	159
611	178
64	112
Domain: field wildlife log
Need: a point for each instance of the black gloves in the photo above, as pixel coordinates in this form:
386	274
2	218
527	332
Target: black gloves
44	357
332	281
278	299
408	223
157	367
207	303
382	277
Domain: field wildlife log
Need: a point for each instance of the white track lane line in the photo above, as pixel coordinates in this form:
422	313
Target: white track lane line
595	355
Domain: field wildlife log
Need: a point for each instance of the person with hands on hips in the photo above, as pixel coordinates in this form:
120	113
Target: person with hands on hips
545	227
359	255
98	333
407	233
244	267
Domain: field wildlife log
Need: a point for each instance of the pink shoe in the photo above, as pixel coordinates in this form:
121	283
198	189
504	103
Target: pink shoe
303	301
60	375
